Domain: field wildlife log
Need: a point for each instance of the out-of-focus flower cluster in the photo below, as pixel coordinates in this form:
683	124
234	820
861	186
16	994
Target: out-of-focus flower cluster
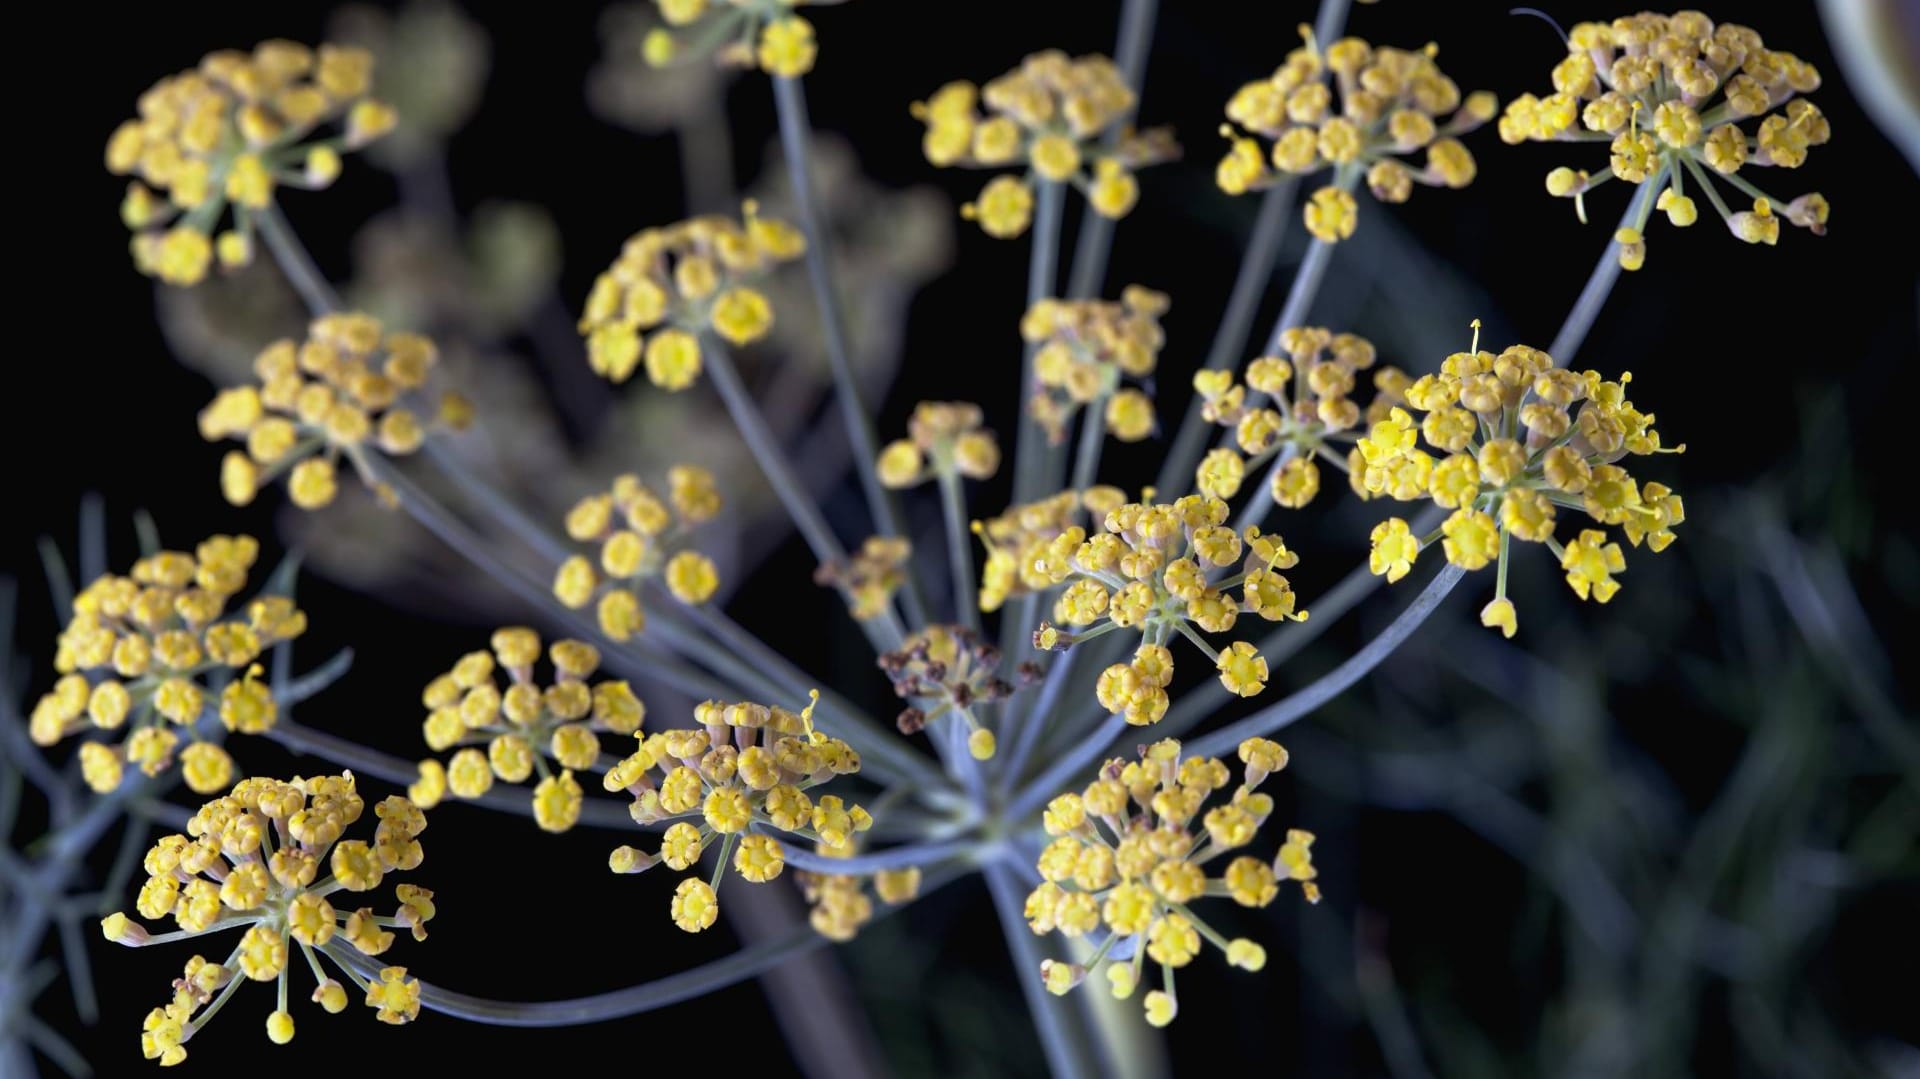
1151	570
740	33
523	726
744	770
231	131
347	389
952	669
1085	349
870	576
1052	115
1668	94
1516	439
670	284
1391	102
1301	414
641	536
253	858
945	439
138	655
1127	858
838	903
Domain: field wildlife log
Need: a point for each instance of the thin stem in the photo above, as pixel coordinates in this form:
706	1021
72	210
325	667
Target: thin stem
1334	682
1096	230
768	453
1579	320
1093	438
1031	450
790	102
903	857
959	548
295	262
1067	1054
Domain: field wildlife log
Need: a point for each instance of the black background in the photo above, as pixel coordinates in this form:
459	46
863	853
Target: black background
1730	344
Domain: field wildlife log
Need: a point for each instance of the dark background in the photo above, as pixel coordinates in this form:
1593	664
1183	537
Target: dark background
1786	370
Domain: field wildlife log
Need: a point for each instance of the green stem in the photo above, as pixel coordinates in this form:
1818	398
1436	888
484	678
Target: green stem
959	548
296	263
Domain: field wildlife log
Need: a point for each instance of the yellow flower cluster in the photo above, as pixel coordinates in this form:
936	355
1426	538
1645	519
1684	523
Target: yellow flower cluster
1085	348
671	284
1390	102
136	653
1301	415
230	131
346	390
1148	570
745	769
252	859
1126	857
1021	534
954	669
945	438
523	726
1668	93
759	33
869	578
641	536
839	905
1051	115
1515	439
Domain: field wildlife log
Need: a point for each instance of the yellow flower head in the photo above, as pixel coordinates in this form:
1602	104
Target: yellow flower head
671	284
745	770
1669	94
350	390
1052	115
1362	111
263	842
641	535
135	657
1085	350
525	724
227	133
1133	867
766	35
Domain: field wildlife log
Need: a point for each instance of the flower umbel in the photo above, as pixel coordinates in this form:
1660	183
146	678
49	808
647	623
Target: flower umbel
757	33
1667	94
1086	348
945	439
1127	858
230	132
524	726
951	668
1051	115
744	771
253	859
1517	439
641	536
1390	102
870	576
671	284
136	656
348	390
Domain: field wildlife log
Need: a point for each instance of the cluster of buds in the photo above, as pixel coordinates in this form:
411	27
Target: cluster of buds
230	132
744	771
1127	858
1390	102
1148	570
763	34
1085	348
945	439
671	284
838	903
1017	537
1274	413
1668	94
138	651
348	390
951	669
641	536
868	578
523	727
1515	440
1051	114
252	858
